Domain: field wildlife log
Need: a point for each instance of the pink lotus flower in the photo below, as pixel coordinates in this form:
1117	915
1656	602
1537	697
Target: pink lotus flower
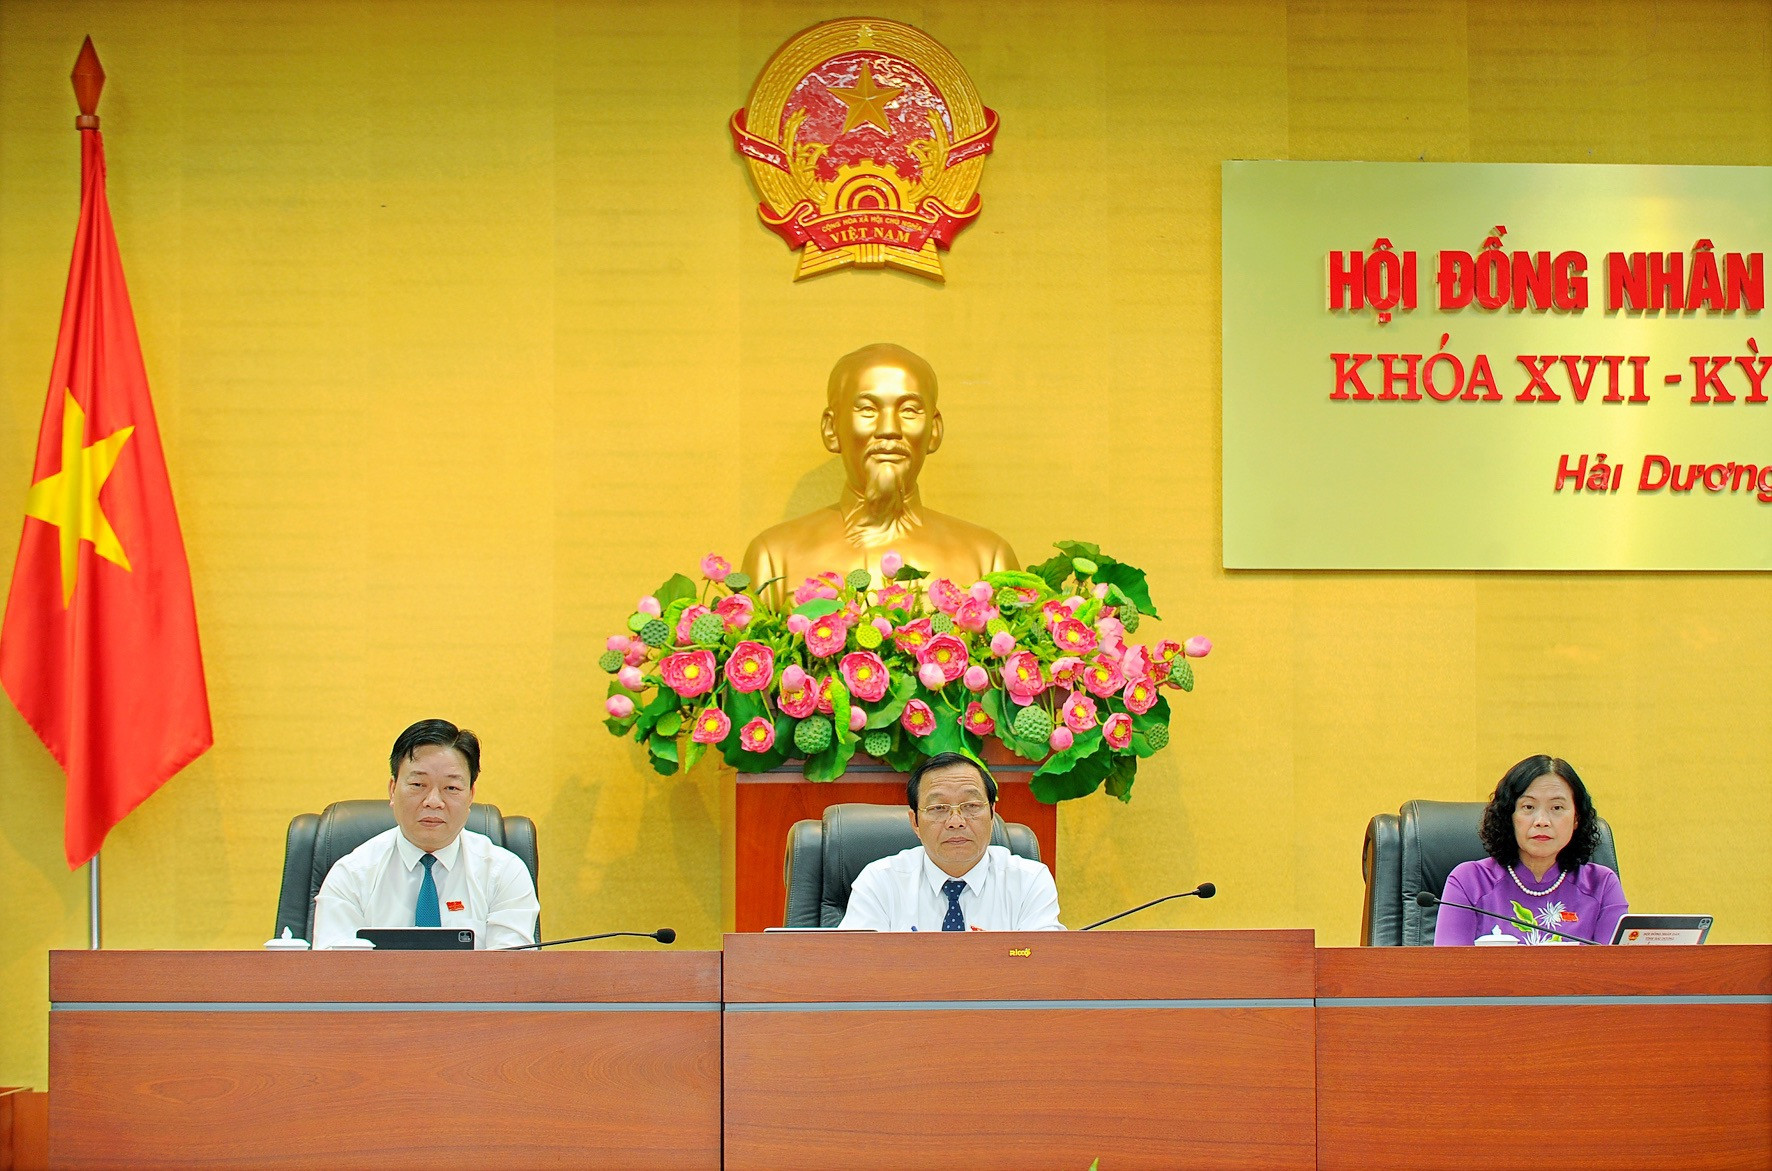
1135	662
636	654
891	563
974	615
649	606
1113	636
1198	647
715	567
981	591
799	624
824	697
1026	594
864	673
1002	643
1164	652
931	676
977	720
1079	712
630	678
619	643
946	652
1140	695
1099	589
757	736
883	625
827	636
1061	738
1073	604
1117	730
976	678
912	635
751	667
1053	612
800	701
1021	677
737	610
711	726
689	673
1103	678
893	596
619	706
945	595
858	719
825	585
1072	637
1065	669
793	677
687	620
917	719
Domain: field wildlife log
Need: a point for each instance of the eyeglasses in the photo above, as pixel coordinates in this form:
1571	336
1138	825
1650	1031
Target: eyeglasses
971	810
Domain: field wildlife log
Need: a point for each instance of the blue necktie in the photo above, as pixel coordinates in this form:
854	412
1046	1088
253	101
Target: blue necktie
428	913
954	921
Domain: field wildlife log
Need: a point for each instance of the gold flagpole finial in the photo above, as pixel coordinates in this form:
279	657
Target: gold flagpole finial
89	80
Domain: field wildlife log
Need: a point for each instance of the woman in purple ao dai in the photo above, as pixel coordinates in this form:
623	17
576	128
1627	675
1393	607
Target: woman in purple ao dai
1540	830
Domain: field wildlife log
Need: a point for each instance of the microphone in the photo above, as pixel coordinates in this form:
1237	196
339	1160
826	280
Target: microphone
1205	890
1427	899
663	935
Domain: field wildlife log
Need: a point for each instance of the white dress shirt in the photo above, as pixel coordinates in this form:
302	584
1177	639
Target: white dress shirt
479	885
1003	893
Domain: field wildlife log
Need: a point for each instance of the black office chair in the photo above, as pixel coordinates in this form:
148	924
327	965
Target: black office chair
1416	849
317	840
824	856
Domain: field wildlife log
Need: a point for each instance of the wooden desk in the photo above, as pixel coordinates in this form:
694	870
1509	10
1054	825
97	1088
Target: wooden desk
1170	1049
1639	1057
394	1059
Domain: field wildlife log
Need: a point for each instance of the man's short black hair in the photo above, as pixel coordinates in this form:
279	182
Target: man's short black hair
441	733
1498	819
914	786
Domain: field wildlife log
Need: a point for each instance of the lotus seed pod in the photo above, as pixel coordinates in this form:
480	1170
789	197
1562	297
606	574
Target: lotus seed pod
737	582
858	579
941	623
812	734
1181	673
655	632
1033	724
868	636
1157	736
709	628
610	661
878	742
1128	617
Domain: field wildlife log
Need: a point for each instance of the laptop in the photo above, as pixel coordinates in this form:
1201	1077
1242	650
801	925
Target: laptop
1640	930
419	938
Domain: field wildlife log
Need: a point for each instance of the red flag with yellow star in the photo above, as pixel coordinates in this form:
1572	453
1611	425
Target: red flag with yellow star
99	649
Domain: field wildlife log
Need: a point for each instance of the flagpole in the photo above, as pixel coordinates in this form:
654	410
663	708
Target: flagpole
92	902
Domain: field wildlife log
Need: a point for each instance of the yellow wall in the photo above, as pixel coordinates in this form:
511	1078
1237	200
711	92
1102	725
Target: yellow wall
463	334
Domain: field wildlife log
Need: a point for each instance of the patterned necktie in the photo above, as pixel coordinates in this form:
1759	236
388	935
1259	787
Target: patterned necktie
428	913
955	921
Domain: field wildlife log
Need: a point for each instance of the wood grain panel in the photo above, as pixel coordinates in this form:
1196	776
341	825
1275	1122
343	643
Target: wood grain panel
24	1129
1118	965
273	977
767	809
1136	1088
1645	1087
1561	971
398	1089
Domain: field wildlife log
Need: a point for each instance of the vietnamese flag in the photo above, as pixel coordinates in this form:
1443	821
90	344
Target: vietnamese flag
99	648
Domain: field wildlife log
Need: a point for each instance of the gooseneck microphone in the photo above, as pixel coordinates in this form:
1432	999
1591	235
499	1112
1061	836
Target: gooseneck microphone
1427	899
663	935
1205	890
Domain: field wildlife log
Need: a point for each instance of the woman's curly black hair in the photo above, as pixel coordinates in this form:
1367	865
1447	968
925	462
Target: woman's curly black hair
1498	818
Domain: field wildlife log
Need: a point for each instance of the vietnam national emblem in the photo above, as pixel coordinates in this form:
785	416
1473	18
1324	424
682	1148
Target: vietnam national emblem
866	141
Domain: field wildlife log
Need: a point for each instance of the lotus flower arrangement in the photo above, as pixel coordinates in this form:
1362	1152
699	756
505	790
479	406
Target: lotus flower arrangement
902	667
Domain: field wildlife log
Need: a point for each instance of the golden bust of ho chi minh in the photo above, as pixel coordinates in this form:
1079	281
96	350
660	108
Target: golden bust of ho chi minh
881	417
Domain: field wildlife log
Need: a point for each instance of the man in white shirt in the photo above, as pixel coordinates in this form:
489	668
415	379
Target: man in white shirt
430	871
956	880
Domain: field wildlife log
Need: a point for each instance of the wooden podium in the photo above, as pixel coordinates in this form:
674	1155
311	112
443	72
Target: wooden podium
766	806
391	1059
1158	1049
1477	1057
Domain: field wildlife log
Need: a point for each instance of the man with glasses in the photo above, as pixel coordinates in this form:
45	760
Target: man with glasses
956	880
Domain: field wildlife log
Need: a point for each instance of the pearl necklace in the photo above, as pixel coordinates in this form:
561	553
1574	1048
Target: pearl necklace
1537	894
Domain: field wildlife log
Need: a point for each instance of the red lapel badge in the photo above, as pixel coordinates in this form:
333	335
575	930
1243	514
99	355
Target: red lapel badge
453	905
